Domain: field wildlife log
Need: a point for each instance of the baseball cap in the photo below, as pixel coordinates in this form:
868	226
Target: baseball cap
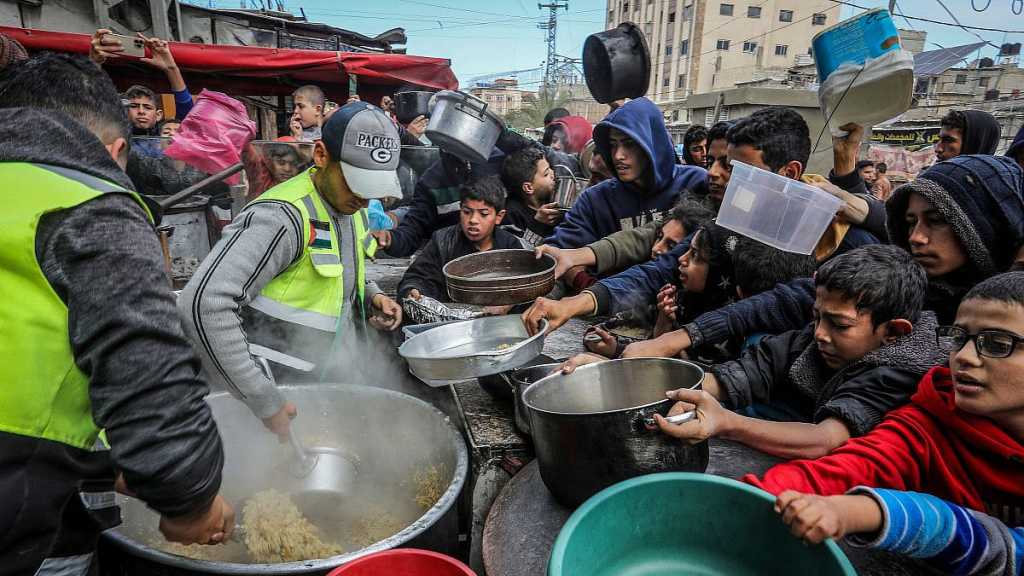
366	142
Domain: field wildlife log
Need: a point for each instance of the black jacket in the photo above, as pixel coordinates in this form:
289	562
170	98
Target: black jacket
787	369
103	260
435	203
520	220
426	271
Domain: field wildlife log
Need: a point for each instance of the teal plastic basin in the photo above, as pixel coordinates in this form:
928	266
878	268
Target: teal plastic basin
682	523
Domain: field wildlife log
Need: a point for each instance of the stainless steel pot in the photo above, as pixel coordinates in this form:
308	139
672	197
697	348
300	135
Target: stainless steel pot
392	436
589	430
472	348
568	189
461	123
194	232
521	380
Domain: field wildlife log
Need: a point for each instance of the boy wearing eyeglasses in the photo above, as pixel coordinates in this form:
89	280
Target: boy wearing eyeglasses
960	439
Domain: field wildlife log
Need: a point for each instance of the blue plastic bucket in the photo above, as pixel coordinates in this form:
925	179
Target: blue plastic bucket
868	35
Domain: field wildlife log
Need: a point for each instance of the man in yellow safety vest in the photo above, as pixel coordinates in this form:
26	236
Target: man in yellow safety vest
287	279
89	336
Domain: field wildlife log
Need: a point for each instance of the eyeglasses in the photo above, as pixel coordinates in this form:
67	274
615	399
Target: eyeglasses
990	343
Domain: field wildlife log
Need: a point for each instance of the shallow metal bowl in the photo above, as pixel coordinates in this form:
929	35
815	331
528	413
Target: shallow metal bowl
499	277
472	348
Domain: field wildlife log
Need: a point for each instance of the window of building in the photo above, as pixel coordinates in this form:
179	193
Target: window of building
781	49
722	45
753	11
664	81
687	12
709	115
750	47
681	81
668	50
684	47
785	15
983	82
961	78
675	115
648	28
725	9
625	7
819	19
671	17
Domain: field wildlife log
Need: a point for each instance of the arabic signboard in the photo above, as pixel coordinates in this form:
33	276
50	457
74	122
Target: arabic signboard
903	164
906	137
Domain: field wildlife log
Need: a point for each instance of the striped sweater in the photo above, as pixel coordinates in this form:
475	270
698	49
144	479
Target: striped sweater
950	538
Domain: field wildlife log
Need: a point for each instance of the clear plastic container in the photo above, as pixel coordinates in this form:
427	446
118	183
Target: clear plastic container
776	210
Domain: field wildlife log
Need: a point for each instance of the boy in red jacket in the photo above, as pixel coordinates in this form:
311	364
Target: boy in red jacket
961	437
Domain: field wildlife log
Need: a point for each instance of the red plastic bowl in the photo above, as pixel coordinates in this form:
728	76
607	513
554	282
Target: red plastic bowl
404	562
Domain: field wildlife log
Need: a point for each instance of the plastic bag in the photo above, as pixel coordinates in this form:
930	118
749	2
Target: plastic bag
878	90
213	134
378	217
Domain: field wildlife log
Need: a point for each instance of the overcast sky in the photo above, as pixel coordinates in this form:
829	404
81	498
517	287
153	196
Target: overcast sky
486	37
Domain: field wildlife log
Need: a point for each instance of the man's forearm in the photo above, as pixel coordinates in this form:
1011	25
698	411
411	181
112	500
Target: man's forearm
789	440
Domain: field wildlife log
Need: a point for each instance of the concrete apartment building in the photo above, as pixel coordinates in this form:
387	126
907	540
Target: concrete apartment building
502	95
700	46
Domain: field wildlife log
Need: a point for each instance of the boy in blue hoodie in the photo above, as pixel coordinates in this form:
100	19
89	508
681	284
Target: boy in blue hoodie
634	142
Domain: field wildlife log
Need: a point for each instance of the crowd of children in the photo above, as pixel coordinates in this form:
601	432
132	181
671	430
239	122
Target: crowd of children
884	368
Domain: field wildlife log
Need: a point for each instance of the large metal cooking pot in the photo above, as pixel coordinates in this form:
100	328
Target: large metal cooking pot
412	104
589	430
391	438
617	63
461	123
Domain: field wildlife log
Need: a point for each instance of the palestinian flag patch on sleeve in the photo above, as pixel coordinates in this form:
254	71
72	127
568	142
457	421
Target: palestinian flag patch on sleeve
319	234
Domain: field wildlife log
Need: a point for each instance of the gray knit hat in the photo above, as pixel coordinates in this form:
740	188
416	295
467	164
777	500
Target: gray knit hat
980	197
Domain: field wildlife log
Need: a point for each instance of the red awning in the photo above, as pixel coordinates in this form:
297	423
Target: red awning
243	70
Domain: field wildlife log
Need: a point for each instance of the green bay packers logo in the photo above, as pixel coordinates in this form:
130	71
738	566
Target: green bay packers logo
381	155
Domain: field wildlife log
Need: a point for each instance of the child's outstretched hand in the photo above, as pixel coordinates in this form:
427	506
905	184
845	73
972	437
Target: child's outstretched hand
604	343
814	518
667	301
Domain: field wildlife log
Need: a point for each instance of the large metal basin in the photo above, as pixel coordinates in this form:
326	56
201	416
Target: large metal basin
589	430
390	436
472	348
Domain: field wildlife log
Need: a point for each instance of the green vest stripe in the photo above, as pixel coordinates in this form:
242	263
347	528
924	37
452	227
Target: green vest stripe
43	394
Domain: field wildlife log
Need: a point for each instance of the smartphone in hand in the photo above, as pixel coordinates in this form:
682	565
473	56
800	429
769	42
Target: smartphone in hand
132	46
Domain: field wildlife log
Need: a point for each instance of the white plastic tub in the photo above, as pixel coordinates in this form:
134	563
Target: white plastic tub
776	210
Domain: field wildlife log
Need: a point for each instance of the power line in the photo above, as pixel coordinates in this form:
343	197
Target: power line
929	20
953	16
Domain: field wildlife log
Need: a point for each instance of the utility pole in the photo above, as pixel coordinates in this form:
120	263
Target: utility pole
551	27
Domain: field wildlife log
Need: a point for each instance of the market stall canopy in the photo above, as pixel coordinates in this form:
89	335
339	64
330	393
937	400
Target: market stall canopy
243	70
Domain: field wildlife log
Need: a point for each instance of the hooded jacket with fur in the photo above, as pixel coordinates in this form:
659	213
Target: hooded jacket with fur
788	368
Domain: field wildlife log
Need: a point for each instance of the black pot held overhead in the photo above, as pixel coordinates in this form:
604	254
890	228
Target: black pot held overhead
409	105
617	63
